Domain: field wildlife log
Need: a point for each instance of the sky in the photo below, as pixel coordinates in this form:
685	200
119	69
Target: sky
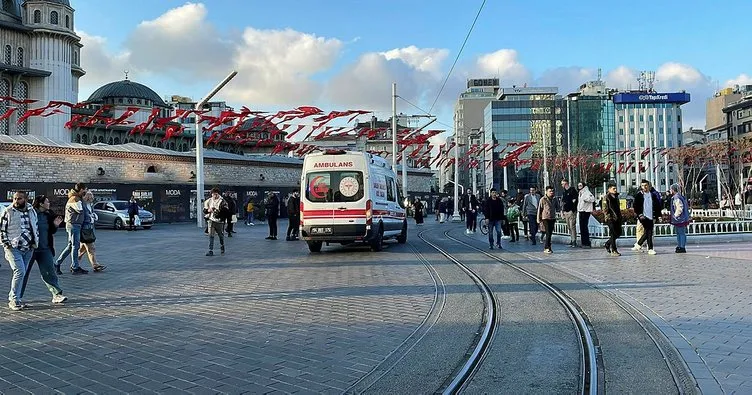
340	55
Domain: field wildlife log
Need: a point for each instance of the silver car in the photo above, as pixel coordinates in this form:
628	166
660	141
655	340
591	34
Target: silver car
114	213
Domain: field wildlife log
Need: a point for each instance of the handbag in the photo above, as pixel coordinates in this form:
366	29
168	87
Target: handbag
137	220
234	219
88	236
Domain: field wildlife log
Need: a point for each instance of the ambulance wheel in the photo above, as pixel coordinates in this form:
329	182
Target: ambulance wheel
378	241
402	238
314	246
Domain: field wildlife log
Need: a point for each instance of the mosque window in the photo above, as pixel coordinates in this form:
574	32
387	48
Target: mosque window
120	101
53	17
20	56
84	139
117	140
37	16
4	91
75	58
8	54
130	101
78	138
67	21
23	93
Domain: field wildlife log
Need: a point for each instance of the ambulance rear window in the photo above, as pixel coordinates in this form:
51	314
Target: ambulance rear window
334	186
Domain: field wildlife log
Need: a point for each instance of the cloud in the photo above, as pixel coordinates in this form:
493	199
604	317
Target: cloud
101	66
675	77
741	79
427	60
568	79
504	65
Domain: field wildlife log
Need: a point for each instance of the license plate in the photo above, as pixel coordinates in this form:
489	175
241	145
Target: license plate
324	231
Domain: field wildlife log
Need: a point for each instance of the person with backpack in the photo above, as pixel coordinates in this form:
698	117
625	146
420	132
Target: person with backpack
216	212
513	217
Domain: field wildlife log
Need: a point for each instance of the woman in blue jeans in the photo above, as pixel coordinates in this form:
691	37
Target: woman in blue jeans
74	217
44	254
679	218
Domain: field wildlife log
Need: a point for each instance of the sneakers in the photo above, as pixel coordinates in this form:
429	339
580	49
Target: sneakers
652	252
637	248
615	253
210	253
222	250
680	250
548	251
59	298
467	231
15	306
79	270
490	247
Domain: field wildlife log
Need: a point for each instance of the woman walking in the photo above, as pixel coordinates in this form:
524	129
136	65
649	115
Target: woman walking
87	234
44	254
418	215
74	217
612	214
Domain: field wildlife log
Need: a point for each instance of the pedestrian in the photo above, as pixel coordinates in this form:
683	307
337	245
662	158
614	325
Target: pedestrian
585	204
493	212
88	237
612	215
530	210
418	214
546	217
679	218
272	213
249	207
443	209
19	235
705	198
74	218
133	210
470	208
513	217
233	212
44	254
569	210
293	214
647	206
519	200
216	213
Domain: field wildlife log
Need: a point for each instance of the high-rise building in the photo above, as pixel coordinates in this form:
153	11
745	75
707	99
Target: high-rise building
647	121
522	114
468	117
715	117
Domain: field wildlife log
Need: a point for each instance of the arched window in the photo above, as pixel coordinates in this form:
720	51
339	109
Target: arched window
4	91
78	138
151	169
100	139
117	140
8	54
67	21
20	56
8	6
37	16
109	141
23	93
84	139
53	17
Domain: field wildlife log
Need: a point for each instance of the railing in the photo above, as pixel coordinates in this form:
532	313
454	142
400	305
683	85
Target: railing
725	213
694	228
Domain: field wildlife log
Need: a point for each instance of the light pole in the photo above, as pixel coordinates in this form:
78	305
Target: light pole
456	216
200	150
394	126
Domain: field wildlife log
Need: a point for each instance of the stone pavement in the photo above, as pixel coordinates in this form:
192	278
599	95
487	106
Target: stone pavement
267	317
702	300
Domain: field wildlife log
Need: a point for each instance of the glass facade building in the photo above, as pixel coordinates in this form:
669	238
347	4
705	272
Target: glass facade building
521	115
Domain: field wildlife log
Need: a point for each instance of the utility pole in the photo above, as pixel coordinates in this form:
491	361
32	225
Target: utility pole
456	216
200	150
394	126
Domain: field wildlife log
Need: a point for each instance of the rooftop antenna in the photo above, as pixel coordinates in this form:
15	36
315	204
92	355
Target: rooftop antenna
600	73
126	74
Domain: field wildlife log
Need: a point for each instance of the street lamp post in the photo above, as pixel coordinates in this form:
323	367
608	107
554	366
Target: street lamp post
456	216
200	150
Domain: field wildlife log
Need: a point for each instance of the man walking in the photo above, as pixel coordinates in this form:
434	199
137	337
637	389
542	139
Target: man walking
679	218
132	213
215	211
568	210
272	213
494	213
647	206
293	215
470	208
530	209
546	216
233	212
19	235
612	215
585	201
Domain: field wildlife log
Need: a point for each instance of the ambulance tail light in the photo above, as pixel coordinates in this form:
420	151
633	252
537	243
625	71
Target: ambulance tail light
369	212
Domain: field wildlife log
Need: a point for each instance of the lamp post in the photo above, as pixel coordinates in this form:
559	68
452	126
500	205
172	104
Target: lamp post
200	150
456	216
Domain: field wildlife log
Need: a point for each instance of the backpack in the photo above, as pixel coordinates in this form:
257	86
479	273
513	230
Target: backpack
513	214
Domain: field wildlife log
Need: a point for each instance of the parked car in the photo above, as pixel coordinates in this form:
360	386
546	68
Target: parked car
114	213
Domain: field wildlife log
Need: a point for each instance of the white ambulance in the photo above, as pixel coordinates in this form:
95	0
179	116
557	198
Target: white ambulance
348	197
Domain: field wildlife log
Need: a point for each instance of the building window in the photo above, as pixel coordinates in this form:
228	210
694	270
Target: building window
37	16
20	56
621	118
631	118
23	93
84	139
75	58
642	118
678	118
660	117
4	91
67	21
8	6
650	118
8	54
621	132
53	17
642	130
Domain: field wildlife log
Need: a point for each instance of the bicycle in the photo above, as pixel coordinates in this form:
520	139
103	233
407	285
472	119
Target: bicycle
483	225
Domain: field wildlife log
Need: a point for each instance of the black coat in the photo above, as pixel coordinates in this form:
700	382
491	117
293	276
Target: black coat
293	206
569	200
272	207
51	229
639	203
494	209
611	209
469	203
231	205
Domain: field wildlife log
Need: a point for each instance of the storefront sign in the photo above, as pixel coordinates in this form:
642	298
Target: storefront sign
143	194
172	192
30	195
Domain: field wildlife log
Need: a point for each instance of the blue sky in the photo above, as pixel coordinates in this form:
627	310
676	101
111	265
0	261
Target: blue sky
332	52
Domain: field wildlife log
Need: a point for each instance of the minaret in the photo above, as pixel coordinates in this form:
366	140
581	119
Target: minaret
55	48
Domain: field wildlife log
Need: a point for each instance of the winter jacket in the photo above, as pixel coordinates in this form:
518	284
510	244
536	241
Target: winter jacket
585	201
530	204
10	227
547	208
611	209
231	206
469	202
220	209
569	200
49	217
74	211
639	204
293	206
272	207
679	211
132	208
494	209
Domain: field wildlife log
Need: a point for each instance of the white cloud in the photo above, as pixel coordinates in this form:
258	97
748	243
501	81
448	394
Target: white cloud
504	65
741	79
428	60
101	66
567	79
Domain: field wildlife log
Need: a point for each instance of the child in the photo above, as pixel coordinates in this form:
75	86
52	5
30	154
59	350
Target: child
513	216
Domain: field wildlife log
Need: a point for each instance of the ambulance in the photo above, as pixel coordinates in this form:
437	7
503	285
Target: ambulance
350	197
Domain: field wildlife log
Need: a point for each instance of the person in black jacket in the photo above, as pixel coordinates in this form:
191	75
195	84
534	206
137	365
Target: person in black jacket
293	214
647	206
470	208
44	254
494	212
569	210
132	213
272	213
612	214
232	209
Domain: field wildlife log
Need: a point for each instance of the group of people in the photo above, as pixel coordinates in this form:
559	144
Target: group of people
27	235
538	214
220	213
